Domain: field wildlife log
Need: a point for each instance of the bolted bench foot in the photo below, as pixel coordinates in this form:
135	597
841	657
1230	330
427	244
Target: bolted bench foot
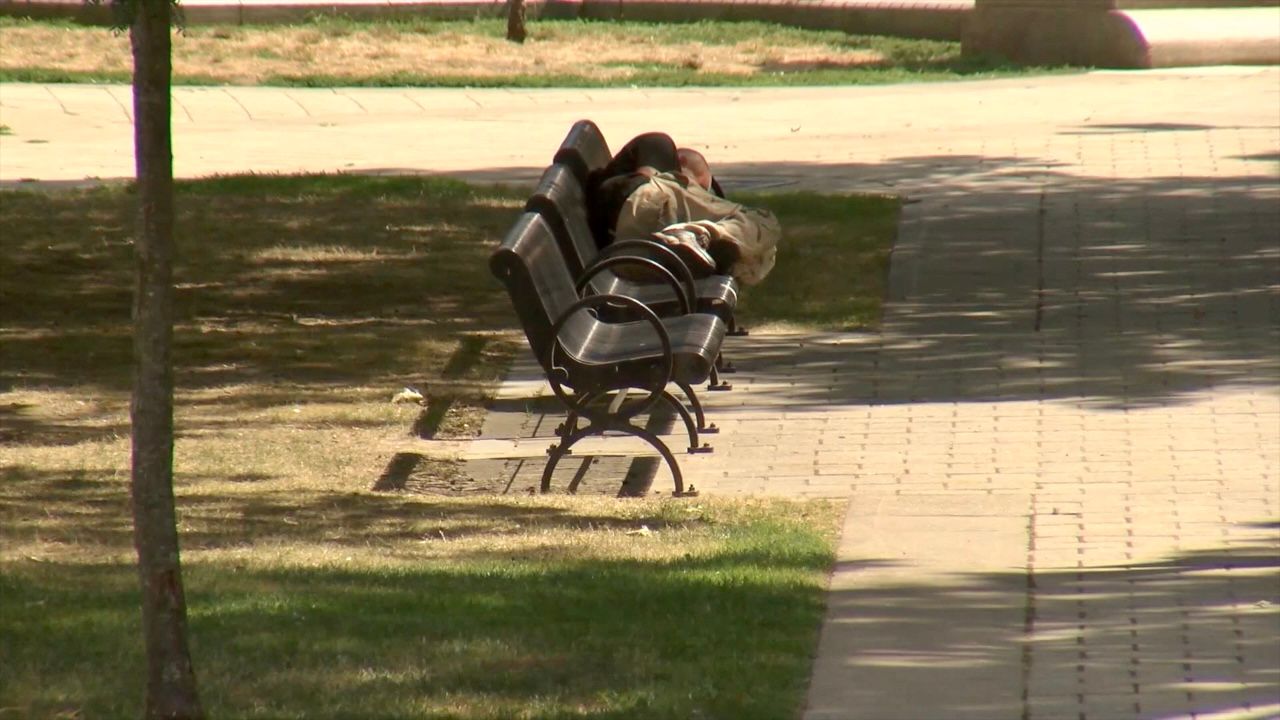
564	449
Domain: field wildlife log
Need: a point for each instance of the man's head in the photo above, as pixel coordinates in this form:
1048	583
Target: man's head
695	166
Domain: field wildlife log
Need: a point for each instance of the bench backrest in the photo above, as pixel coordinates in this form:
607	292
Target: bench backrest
529	264
559	199
584	149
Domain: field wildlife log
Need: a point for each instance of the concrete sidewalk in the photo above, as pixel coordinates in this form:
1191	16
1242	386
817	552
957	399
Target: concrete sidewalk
1061	453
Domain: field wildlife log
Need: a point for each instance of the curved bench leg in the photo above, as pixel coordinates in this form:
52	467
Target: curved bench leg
697	410
676	476
714	384
694	446
570	424
558	451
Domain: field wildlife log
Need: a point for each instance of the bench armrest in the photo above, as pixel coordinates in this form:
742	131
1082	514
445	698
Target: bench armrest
557	374
657	252
682	293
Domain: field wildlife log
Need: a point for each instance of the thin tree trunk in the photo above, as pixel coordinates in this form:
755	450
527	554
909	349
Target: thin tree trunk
515	21
171	684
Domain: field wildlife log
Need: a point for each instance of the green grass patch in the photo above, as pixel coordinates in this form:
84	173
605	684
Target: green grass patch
546	608
58	75
833	261
644	75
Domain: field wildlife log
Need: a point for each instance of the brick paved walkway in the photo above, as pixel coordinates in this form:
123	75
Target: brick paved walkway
1060	454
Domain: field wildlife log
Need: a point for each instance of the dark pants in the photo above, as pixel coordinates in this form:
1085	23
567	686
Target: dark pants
609	187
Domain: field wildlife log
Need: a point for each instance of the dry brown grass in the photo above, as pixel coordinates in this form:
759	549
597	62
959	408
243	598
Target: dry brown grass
237	55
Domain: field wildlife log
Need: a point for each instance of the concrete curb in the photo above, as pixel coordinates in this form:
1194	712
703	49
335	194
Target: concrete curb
1048	32
1241	36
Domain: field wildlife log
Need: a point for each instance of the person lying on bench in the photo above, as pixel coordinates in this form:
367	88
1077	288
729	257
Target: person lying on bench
640	159
652	188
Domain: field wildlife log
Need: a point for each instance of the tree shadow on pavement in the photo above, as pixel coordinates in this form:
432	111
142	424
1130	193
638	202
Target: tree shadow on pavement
1186	635
1015	280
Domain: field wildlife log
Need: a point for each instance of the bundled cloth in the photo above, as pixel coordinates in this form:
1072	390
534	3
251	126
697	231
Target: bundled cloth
709	231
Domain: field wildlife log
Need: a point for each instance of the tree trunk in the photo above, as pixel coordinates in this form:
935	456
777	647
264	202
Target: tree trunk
171	684
515	21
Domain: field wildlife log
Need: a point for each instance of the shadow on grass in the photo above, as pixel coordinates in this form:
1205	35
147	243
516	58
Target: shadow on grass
721	631
304	288
299	286
19	424
91	508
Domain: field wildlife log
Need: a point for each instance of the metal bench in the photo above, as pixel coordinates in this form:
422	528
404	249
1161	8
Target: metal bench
559	199
591	363
583	150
